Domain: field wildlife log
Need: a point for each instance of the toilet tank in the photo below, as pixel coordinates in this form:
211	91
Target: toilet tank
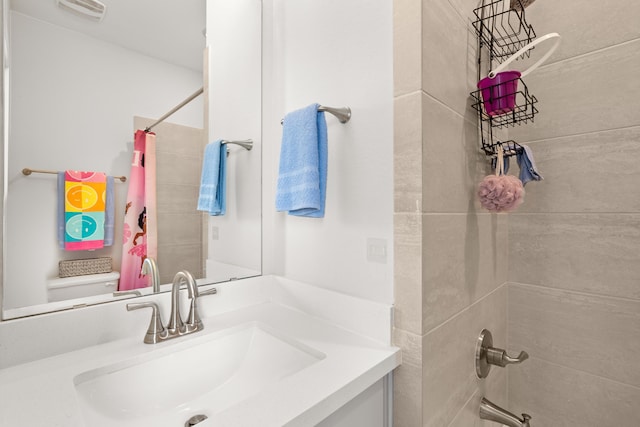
61	289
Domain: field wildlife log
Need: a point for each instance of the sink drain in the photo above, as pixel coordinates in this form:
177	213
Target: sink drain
195	420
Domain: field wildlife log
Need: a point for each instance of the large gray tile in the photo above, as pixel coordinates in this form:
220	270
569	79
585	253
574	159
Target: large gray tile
600	335
179	228
556	396
465	8
407	380
177	198
449	376
494	388
177	169
407	46
174	138
589	93
407	153
596	172
592	25
452	162
596	253
407	256
407	396
464	258
449	62
173	258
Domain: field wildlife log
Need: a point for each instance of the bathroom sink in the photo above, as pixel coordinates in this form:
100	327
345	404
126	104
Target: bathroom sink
168	384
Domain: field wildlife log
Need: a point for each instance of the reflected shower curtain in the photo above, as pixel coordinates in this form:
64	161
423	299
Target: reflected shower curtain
140	230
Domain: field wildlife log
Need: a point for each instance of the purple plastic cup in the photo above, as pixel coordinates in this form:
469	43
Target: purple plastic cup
499	93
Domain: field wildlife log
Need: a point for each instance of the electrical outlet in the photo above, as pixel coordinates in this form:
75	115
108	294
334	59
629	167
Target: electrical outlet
377	250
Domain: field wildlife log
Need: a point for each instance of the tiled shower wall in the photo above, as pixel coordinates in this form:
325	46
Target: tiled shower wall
574	261
450	256
178	166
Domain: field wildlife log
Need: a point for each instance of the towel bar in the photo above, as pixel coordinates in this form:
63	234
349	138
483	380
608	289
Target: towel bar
27	171
342	113
247	144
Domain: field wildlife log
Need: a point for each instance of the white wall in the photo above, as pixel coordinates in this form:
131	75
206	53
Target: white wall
73	99
337	53
234	245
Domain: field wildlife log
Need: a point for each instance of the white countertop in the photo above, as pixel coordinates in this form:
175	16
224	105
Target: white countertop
42	392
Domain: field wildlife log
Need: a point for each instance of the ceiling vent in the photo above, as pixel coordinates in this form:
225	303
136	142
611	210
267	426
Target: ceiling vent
90	9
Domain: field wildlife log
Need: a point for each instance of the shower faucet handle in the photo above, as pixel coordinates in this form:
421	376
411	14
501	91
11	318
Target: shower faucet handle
487	355
499	357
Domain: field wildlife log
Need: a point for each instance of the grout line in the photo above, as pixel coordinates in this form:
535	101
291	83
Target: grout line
630	213
451	213
580	134
572	291
585	372
470	120
596	51
507	327
513	214
473	395
408	94
461	312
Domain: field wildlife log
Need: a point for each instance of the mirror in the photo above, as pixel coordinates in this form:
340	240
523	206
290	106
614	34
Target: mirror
78	89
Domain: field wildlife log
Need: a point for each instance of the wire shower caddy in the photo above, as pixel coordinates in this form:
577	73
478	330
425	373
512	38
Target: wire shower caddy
502	31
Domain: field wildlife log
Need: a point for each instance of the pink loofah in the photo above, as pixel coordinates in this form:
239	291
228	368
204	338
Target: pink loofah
499	192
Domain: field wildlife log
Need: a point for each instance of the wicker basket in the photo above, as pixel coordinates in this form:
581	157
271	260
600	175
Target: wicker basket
82	267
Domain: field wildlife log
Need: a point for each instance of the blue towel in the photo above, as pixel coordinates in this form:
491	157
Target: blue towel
302	178
61	216
528	170
109	210
109	218
213	193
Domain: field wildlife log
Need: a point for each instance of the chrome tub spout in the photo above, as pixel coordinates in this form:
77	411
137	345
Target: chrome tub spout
492	412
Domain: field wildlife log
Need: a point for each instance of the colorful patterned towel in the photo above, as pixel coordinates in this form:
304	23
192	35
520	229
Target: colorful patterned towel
84	210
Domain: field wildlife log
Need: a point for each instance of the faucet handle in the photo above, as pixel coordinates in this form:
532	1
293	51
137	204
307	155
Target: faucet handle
193	320
499	357
487	355
211	291
136	293
156	331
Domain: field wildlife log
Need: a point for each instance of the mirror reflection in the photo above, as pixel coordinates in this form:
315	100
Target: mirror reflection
80	87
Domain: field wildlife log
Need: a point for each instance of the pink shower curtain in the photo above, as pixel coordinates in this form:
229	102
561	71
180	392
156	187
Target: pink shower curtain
140	231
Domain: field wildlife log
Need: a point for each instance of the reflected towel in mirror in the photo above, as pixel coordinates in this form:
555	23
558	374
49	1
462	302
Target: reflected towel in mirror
108	213
84	210
213	193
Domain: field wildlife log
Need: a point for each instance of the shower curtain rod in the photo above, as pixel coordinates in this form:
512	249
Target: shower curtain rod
176	108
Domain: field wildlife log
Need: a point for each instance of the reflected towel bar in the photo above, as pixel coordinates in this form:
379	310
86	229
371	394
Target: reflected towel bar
247	144
27	171
342	113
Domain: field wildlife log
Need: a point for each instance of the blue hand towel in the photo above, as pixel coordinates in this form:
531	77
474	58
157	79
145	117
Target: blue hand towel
528	170
109	217
61	216
213	193
109	209
302	179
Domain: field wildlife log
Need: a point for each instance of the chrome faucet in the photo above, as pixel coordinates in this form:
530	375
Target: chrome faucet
150	266
176	327
492	412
